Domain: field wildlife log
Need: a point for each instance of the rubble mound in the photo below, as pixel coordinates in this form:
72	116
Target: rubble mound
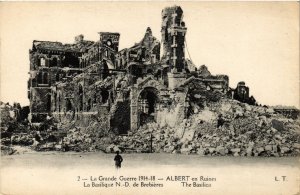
223	128
245	131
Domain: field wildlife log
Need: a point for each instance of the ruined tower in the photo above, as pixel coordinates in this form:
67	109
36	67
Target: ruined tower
173	32
241	93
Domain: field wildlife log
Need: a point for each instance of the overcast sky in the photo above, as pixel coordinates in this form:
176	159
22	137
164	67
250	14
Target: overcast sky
255	42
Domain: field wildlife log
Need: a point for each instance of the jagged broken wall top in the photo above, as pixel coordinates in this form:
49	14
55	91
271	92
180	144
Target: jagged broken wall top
173	32
147	51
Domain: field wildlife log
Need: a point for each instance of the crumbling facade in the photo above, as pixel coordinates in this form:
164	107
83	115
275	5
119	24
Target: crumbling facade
93	81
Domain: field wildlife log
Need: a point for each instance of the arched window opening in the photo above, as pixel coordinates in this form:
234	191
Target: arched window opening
48	102
42	62
117	64
104	95
45	78
95	98
112	97
104	70
59	103
89	106
80	93
121	63
153	58
68	105
159	74
55	101
40	78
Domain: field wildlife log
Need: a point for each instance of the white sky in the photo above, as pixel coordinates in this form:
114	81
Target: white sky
256	42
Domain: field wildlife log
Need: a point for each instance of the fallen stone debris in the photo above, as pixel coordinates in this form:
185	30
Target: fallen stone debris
246	131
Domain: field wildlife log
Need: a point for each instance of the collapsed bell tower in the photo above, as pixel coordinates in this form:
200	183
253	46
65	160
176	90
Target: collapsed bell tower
173	32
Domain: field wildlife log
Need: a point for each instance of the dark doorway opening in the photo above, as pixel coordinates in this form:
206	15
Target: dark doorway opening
148	102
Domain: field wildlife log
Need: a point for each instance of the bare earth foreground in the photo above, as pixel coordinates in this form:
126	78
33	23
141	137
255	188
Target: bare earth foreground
58	173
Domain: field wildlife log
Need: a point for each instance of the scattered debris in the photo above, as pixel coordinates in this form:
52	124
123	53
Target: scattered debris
258	134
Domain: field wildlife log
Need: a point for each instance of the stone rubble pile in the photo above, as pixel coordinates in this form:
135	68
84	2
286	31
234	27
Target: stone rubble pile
7	150
25	140
77	141
8	144
246	131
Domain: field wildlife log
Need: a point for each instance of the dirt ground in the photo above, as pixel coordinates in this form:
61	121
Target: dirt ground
58	173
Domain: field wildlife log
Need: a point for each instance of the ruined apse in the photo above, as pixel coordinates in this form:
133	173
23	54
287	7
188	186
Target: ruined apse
88	82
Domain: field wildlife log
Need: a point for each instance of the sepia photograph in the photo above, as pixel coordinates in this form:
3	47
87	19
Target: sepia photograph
149	97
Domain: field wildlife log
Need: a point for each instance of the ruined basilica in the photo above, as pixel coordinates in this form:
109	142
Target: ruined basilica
123	89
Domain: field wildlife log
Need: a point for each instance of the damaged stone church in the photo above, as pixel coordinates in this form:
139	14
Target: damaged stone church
123	89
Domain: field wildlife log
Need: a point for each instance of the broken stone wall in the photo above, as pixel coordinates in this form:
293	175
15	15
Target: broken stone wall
147	51
247	131
169	116
120	117
83	103
7	114
39	100
98	120
172	114
175	79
